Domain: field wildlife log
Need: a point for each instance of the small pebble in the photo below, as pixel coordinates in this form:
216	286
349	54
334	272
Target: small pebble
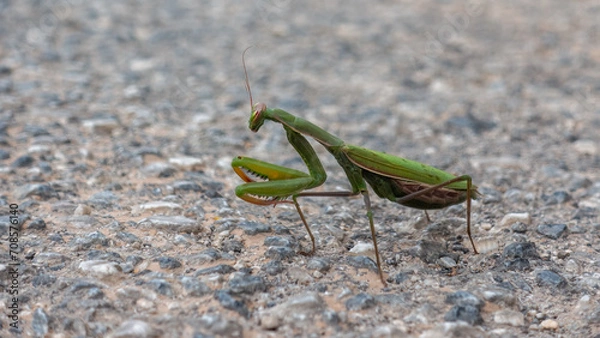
100	267
82	210
101	125
549	324
269	322
171	223
186	163
586	147
447	262
158	207
509	219
133	328
362	248
510	317
486	226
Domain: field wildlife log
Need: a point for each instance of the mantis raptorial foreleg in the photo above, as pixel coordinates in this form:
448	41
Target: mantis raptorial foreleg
280	183
397	179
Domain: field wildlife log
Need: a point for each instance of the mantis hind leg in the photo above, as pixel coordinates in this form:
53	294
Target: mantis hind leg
427	216
373	234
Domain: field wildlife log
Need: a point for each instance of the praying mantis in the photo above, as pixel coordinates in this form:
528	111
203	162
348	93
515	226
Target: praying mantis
406	182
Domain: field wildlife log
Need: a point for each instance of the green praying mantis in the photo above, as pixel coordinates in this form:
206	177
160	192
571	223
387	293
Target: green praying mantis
399	180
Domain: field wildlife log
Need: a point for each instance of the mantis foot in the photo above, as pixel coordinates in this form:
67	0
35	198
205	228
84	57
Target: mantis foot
307	253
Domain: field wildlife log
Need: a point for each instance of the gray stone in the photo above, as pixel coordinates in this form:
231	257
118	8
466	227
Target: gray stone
279	241
161	286
499	296
547	278
279	253
22	161
553	231
231	303
218	325
246	284
299	308
206	256
43	280
557	197
39	323
168	263
41	190
186	186
318	264
273	267
362	262
127	237
221	269
362	301
194	287
465	313
525	250
95	238
464	298
253	228
232	246
429	252
37	224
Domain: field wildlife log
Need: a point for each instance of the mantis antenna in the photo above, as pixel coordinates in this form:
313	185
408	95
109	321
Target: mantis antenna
246	75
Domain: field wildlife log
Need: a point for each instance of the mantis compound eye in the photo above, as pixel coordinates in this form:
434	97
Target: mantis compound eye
259	108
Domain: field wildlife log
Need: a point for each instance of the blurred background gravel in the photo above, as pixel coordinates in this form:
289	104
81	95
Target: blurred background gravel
118	122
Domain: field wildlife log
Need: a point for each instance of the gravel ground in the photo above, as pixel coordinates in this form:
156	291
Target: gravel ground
118	122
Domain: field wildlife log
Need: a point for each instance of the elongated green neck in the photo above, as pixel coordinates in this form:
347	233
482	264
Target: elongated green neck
303	127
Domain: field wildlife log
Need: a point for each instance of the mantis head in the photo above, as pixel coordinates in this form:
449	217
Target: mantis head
258	116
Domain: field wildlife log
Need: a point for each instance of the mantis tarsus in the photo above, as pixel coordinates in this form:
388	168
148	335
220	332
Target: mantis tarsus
399	180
